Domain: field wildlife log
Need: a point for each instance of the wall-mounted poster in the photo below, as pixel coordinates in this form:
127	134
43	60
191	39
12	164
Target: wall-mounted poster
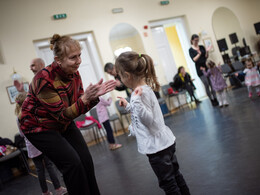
208	44
12	91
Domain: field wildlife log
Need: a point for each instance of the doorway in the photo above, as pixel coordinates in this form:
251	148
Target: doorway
91	67
172	43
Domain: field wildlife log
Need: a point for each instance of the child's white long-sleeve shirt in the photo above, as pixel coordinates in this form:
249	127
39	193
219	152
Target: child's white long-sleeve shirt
148	125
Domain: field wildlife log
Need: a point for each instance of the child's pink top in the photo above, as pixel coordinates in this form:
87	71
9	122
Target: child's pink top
31	149
102	110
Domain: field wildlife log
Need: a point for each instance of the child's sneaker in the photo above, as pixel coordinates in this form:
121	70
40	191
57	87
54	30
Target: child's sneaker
47	193
61	191
250	95
115	146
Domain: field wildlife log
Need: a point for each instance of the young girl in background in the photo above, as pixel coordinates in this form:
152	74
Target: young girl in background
40	160
153	137
104	119
252	78
217	81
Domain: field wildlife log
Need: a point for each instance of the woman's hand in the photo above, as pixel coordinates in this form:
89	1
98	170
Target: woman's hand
94	91
199	52
122	102
202	68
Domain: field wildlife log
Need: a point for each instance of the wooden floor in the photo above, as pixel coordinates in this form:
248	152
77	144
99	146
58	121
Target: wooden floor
217	148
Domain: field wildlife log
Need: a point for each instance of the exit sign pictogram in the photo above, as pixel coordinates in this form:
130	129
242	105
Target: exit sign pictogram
59	16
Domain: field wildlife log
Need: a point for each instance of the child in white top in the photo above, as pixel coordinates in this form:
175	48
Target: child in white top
252	78
153	137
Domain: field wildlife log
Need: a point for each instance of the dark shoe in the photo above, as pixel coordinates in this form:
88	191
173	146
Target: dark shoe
214	102
197	101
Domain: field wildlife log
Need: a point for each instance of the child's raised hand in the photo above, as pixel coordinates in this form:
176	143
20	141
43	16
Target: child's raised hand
202	68
138	91
122	102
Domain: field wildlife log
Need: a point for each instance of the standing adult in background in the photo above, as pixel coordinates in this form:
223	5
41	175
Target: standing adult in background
55	99
36	65
199	55
110	69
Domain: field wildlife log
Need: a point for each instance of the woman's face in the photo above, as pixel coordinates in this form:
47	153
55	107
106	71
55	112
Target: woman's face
70	63
195	41
183	71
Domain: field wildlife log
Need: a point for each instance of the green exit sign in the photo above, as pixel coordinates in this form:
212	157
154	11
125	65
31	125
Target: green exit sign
164	2
59	16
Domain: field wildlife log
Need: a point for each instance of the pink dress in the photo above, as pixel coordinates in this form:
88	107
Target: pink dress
252	77
102	109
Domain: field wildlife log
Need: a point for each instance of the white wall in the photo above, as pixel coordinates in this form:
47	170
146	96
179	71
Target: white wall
22	22
225	17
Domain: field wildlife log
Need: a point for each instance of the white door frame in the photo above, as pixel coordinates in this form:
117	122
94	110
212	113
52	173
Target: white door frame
179	22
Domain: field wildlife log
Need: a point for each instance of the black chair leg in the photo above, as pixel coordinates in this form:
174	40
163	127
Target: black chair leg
127	119
103	137
94	132
114	126
121	123
99	134
170	104
178	99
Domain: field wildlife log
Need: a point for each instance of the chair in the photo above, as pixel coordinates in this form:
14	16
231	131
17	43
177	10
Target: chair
168	96
113	118
6	158
19	142
228	73
122	111
93	113
226	69
163	106
238	66
92	127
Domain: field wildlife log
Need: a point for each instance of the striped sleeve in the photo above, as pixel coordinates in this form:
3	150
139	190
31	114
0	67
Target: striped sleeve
51	101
